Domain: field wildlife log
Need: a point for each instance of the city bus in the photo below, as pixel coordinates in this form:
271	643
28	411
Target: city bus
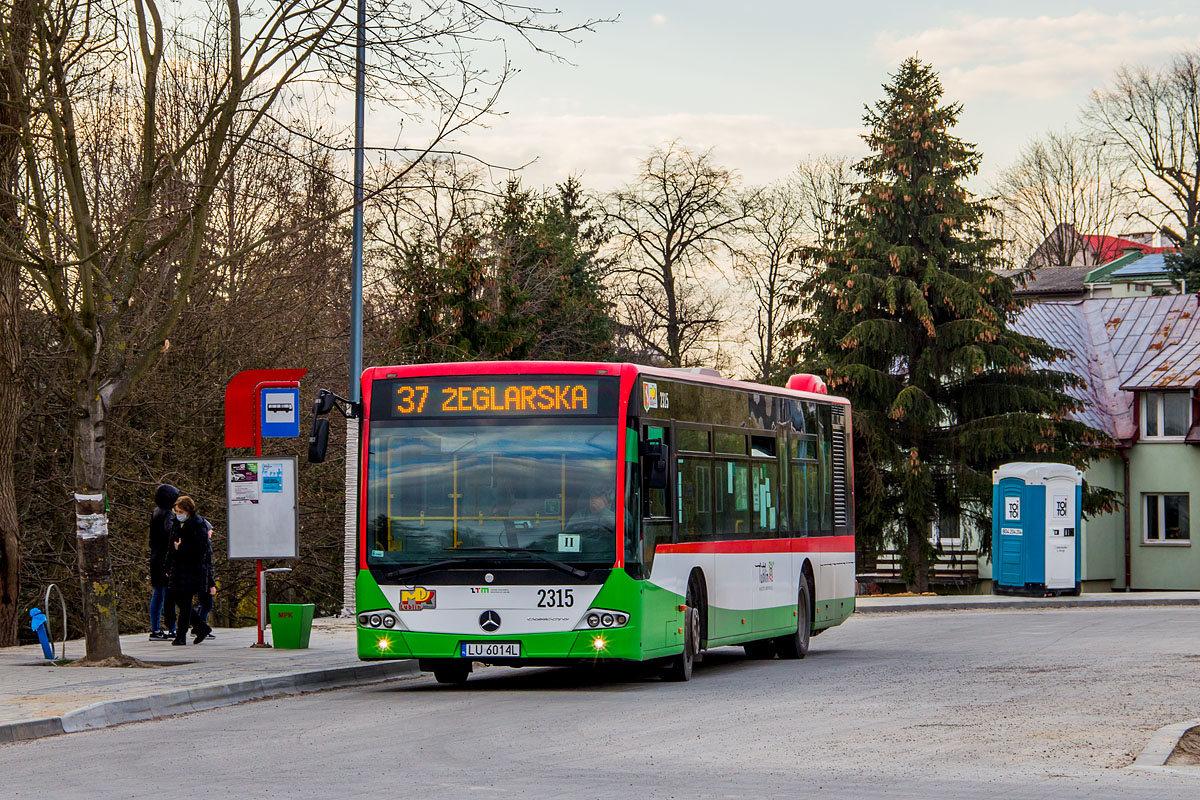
540	513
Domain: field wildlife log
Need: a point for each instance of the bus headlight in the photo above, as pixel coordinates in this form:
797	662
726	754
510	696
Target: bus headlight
380	620
603	618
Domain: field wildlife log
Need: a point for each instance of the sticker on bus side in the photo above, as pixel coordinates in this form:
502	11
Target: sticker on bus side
649	395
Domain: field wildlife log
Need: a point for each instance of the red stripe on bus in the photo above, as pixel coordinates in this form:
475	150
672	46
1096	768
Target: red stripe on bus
808	544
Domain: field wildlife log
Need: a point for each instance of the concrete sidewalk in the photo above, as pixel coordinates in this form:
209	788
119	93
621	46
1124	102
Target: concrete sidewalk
869	604
38	700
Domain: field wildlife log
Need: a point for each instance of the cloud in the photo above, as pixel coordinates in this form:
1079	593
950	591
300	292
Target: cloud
1040	57
606	150
659	19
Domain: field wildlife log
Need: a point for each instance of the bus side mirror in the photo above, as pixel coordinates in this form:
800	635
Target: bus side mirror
318	440
654	464
324	403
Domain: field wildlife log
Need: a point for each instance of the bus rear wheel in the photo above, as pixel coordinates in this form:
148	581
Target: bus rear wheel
796	645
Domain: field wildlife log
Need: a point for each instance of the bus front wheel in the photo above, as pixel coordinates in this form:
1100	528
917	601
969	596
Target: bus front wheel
679	668
796	645
451	671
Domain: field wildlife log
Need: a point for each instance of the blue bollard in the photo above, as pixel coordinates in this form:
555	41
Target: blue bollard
38	623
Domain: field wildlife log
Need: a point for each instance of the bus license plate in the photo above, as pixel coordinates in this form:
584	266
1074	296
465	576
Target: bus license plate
490	649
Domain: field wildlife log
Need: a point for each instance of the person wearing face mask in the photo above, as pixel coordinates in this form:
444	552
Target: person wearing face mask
189	573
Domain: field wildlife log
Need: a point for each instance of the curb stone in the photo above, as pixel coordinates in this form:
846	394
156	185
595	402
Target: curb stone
1154	755
1008	605
109	713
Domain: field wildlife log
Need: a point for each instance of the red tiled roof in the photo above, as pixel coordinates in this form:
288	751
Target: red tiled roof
1109	247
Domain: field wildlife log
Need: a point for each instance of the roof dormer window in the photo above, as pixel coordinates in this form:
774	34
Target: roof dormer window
1166	415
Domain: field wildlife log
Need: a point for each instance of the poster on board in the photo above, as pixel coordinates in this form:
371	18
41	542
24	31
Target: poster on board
262	507
243	482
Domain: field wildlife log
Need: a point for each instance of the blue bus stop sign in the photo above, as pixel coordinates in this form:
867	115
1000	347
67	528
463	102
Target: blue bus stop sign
279	414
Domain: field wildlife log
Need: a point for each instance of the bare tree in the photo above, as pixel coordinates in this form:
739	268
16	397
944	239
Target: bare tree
140	117
670	226
1061	188
1152	118
15	36
774	229
826	186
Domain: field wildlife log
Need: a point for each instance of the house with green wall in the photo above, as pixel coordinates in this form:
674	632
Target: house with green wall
1140	358
1133	274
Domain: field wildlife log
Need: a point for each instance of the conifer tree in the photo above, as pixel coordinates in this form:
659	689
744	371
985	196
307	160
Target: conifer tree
909	320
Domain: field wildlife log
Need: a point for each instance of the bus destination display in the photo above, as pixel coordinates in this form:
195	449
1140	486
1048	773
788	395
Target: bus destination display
432	398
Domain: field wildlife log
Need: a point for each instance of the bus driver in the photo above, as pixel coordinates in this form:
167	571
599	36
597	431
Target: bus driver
594	511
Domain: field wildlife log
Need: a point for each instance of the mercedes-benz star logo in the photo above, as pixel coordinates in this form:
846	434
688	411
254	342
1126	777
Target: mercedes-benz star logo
489	621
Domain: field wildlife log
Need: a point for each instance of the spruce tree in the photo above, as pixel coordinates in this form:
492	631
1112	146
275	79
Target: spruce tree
909	320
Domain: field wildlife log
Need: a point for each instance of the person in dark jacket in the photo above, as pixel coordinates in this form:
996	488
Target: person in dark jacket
189	576
210	591
160	570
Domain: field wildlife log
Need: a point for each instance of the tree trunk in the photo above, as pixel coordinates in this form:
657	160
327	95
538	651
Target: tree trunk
10	408
102	637
14	53
918	557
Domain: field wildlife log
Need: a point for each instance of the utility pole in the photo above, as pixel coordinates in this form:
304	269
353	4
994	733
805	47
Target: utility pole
350	565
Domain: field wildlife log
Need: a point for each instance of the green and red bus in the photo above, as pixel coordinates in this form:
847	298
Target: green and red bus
534	513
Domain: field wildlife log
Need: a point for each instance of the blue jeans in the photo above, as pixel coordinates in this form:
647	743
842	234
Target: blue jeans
158	598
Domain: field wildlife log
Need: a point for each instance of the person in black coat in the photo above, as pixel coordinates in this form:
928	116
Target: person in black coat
189	573
210	591
160	570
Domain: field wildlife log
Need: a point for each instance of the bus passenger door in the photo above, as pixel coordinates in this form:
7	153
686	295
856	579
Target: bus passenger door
660	600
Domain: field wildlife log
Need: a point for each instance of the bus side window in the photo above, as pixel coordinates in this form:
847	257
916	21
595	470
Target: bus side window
695	498
765	496
825	417
798	485
732	499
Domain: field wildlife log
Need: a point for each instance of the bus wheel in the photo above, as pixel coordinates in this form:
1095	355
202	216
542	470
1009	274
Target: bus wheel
679	668
796	645
452	671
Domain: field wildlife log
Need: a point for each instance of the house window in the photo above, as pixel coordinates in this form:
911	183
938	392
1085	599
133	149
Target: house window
1167	518
1166	414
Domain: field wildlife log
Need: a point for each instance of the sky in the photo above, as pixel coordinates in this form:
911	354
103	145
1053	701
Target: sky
766	84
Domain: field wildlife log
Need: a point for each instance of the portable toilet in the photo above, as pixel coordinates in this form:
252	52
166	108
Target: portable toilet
1035	527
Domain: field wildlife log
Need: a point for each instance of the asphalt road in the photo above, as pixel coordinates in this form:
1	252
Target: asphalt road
1025	704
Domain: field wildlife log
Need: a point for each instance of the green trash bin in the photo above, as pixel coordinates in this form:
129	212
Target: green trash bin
291	625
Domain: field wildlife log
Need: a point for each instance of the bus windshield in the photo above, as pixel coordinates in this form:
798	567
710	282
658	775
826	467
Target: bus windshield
492	492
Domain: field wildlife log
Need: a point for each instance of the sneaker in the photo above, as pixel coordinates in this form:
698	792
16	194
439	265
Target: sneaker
158	636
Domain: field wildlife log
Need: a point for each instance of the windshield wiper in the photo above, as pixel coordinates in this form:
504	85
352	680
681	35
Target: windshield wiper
567	568
407	571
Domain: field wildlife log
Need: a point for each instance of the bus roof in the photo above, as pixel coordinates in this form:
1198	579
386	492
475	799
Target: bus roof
587	368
